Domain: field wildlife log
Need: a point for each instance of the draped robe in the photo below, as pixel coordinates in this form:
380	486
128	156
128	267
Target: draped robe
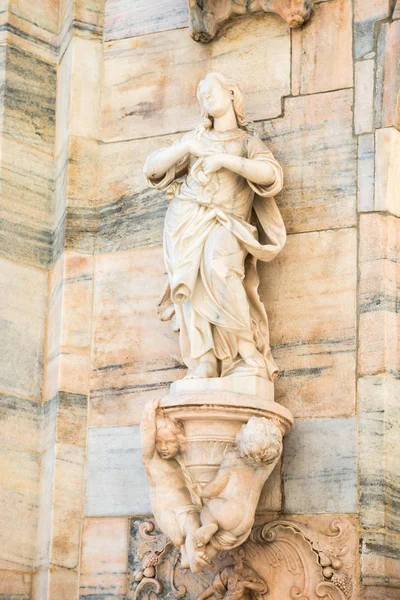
216	228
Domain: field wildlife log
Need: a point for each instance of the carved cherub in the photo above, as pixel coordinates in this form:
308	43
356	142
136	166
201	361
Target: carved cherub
175	507
236	582
231	497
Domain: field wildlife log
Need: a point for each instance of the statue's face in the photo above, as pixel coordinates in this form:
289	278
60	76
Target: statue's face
167	445
215	98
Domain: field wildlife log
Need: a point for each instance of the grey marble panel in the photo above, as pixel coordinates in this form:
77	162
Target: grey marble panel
319	467
116	482
23	292
125	19
366	172
379	452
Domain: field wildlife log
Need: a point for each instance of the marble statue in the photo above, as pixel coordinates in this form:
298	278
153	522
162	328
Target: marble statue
221	219
237	582
210	445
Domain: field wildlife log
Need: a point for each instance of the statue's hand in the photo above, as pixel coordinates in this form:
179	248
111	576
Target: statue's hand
214	163
199	148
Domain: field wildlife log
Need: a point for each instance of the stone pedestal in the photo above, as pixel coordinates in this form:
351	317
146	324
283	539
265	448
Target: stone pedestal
213	411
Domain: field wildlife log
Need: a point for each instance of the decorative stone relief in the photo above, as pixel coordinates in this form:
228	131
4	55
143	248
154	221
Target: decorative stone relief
282	559
207	16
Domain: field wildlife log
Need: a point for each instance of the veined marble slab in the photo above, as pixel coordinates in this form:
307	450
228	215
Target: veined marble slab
309	292
128	19
150	81
319	466
116	484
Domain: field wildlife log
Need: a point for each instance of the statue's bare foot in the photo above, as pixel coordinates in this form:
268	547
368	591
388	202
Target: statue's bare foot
199	561
204	370
204	534
184	558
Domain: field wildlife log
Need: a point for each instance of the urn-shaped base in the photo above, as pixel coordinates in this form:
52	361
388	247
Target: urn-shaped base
213	411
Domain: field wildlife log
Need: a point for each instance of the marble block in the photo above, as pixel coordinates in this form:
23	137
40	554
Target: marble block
116	483
314	143
29	118
86	86
319	466
379	320
380	562
388	74
364	96
379	452
312	322
130	214
128	19
83	191
26	203
89	18
19	498
366	13
387	170
68	501
23	315
104	558
328	34
77	300
130	366
20	422
366	172
15	585
252	386
63	100
150	81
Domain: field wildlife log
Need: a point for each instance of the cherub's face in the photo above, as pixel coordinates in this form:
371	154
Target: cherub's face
167	444
215	98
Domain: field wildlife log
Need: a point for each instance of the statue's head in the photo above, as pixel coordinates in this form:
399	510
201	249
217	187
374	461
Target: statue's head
218	94
170	437
259	441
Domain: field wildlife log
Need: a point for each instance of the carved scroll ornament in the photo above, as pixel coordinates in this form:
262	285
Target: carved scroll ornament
207	16
282	559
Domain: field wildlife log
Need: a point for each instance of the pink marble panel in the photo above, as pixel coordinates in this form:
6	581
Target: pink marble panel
104	558
135	356
150	81
309	292
328	34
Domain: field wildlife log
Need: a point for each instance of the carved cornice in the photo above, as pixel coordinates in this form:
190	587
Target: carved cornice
207	16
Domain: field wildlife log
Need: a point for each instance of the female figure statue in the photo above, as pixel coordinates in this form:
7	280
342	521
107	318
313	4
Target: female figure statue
221	219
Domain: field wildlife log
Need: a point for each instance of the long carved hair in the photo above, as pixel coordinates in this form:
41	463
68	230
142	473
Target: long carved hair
232	85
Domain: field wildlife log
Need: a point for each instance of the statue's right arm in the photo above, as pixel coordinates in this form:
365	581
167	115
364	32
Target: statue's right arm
148	429
160	161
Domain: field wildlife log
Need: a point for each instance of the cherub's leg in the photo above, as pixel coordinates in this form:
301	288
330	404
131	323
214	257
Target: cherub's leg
184	558
195	555
208	527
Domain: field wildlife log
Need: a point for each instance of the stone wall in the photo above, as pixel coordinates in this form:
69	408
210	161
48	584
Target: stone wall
86	97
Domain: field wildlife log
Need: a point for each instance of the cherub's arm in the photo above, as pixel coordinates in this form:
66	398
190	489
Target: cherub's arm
148	430
216	485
